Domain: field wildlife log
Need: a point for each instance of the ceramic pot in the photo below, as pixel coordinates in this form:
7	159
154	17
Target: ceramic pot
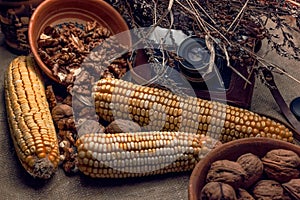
54	12
231	151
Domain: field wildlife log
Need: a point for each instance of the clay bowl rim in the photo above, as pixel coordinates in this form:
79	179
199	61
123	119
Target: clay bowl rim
231	151
56	14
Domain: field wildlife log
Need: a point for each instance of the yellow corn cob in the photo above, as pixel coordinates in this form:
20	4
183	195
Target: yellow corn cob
122	155
159	110
31	126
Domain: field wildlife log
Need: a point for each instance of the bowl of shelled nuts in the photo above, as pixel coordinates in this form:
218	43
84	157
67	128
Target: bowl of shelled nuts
63	33
250	168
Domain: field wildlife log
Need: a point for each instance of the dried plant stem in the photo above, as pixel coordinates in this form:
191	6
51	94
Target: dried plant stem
206	23
294	2
154	11
233	26
202	9
133	46
232	68
267	64
238	16
198	17
287	74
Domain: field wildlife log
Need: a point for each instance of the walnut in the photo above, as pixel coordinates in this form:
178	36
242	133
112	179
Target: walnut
90	126
226	171
122	126
281	165
253	167
216	191
293	188
268	189
242	194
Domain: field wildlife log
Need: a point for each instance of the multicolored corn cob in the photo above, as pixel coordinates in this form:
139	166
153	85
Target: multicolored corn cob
160	110
122	155
31	126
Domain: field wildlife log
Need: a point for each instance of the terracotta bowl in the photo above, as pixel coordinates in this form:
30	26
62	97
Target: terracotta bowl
53	12
231	151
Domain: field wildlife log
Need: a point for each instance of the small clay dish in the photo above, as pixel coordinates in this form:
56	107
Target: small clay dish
54	12
231	151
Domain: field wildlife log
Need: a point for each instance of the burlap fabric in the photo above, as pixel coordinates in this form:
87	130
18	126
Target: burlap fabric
17	184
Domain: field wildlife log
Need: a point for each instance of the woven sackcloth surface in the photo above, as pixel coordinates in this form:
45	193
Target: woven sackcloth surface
17	184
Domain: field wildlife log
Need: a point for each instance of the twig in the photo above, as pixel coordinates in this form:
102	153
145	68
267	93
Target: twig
202	9
206	23
211	19
294	2
198	17
266	64
154	11
237	17
151	30
232	68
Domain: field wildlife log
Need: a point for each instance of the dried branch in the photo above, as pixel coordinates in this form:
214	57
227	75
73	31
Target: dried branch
234	26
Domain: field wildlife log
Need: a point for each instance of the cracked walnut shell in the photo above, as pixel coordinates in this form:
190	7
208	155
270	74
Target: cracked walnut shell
281	165
253	167
226	171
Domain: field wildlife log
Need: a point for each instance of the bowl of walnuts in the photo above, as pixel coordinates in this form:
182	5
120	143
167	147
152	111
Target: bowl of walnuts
62	34
250	168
